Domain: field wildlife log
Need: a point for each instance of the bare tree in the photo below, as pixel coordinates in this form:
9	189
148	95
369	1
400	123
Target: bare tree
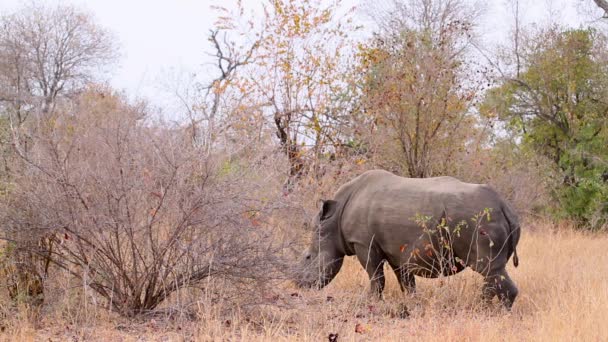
228	59
48	51
603	4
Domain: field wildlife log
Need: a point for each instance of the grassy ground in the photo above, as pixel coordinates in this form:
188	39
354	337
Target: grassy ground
562	279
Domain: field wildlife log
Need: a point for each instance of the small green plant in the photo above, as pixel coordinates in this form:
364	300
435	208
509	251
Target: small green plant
437	240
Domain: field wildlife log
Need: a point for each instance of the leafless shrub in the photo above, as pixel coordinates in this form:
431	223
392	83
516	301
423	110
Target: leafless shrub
131	209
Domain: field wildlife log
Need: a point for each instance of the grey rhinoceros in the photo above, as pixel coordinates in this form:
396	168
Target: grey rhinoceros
422	227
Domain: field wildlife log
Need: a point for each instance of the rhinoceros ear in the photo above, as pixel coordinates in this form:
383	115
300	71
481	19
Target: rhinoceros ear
329	208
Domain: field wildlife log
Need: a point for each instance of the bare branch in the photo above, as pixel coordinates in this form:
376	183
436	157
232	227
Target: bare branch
603	4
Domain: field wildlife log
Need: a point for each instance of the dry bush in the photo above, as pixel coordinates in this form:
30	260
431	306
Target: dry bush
133	209
522	178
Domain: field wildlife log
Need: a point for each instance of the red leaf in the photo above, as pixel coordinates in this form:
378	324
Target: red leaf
415	252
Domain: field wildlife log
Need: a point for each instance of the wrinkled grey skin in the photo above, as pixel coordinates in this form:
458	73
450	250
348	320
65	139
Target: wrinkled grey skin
379	218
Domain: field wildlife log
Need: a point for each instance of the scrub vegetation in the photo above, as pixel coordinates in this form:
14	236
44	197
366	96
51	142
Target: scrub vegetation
118	223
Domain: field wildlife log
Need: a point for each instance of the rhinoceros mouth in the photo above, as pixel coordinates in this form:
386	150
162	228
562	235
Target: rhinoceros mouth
319	278
311	280
306	284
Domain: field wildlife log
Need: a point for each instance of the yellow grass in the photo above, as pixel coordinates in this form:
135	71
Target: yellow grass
562	278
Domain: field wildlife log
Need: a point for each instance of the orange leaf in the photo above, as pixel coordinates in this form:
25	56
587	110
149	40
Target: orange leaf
402	247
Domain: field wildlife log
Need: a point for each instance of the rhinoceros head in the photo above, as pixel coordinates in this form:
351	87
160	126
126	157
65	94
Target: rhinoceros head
323	260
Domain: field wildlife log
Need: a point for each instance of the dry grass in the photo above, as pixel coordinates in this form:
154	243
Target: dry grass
563	296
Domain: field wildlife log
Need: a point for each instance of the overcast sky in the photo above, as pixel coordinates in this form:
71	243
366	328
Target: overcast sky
157	36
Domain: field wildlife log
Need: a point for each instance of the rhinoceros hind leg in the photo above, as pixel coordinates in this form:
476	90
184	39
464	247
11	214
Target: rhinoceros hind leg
373	262
498	283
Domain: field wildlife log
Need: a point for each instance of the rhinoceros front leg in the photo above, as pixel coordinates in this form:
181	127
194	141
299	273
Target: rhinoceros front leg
407	282
498	283
373	261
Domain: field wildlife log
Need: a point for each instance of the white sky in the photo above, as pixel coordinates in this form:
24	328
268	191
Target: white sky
157	36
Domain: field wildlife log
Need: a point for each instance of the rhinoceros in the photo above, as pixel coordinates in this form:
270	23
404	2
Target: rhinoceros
427	227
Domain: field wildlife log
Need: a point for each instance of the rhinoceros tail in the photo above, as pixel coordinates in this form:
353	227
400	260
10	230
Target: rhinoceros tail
515	258
514	232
